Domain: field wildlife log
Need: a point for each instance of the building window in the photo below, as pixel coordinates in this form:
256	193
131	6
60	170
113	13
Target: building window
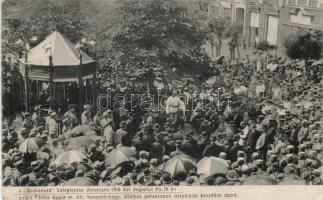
292	2
313	3
302	2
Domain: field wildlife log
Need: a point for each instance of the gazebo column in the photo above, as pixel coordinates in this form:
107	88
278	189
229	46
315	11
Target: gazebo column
80	102
94	87
26	83
51	82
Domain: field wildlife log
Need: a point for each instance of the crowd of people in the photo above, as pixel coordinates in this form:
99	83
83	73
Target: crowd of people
258	118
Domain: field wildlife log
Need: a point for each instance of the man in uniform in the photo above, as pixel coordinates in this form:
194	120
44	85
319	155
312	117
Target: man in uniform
86	115
173	107
37	119
27	123
52	124
72	116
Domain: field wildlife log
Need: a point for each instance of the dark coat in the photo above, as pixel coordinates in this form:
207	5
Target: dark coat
157	150
212	150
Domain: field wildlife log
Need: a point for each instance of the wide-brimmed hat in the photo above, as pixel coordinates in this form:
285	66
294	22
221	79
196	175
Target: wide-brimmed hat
118	181
232	175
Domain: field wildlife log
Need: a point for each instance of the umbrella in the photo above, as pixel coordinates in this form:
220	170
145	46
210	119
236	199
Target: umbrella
319	62
119	155
69	157
259	180
180	164
77	142
212	165
40	142
28	145
80	181
80	129
211	80
293	182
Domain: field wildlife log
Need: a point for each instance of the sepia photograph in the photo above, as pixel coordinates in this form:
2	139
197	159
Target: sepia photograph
161	93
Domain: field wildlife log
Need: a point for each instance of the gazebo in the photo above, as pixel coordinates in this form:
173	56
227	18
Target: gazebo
57	59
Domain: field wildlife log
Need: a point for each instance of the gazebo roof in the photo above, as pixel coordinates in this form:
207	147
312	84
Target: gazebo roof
62	50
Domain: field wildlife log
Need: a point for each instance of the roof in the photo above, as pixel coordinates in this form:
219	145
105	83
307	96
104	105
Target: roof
62	50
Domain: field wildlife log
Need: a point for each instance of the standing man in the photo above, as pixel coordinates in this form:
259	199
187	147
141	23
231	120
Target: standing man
37	119
174	106
52	124
232	48
121	134
86	116
27	123
72	115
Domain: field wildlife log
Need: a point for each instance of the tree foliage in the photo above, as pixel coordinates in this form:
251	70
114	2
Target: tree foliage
132	37
150	34
40	17
304	45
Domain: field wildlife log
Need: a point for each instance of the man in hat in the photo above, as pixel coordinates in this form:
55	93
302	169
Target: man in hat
106	117
37	118
203	141
52	125
213	149
174	106
27	123
121	134
109	133
72	116
190	145
303	132
157	149
86	115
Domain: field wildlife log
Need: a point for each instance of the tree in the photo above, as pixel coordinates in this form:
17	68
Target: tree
40	17
304	45
148	34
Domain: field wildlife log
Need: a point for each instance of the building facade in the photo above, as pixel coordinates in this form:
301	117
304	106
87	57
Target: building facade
296	14
262	22
274	20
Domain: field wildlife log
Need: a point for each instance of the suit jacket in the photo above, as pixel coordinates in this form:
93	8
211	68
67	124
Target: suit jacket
212	150
121	136
157	150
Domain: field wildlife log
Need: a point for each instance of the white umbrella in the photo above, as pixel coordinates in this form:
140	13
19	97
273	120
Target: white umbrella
28	145
69	157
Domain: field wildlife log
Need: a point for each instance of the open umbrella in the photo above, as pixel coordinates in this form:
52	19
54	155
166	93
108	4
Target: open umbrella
69	157
180	164
80	129
40	142
77	142
319	62
211	80
292	182
79	181
259	180
212	165
28	145
119	155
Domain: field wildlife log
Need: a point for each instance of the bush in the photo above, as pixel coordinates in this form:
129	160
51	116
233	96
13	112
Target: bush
304	45
264	46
